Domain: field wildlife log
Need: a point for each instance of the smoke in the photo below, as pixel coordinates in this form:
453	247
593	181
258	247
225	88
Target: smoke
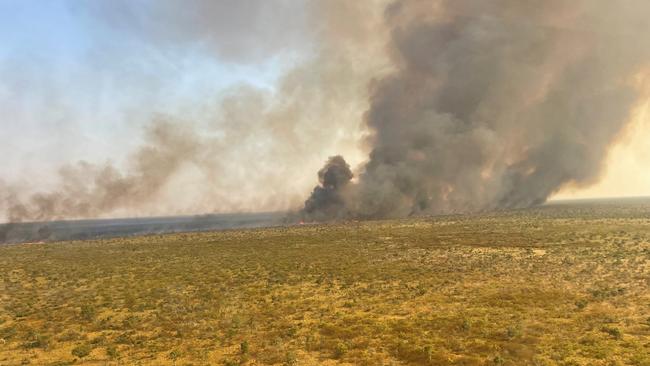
235	31
441	106
87	190
327	199
244	149
495	104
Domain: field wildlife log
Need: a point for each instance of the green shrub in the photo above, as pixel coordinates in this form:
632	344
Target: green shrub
466	325
174	355
513	331
340	350
612	331
427	352
8	332
124	338
82	350
290	359
87	312
581	304
36	340
98	340
69	335
111	351
229	362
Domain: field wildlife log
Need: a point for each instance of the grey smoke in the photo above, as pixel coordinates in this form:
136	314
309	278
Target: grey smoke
244	150
496	104
237	31
328	198
88	190
473	105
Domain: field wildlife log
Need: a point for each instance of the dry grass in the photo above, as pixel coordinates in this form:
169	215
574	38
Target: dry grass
554	286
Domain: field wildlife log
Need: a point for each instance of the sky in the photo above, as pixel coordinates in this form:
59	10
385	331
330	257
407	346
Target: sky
71	85
627	166
82	80
86	82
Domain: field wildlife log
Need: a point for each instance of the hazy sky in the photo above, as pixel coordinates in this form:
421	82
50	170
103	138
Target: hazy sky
244	81
81	80
73	85
627	169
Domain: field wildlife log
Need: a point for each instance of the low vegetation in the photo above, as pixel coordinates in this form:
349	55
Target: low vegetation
558	285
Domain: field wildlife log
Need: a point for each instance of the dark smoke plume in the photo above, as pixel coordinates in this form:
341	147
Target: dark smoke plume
473	105
496	104
327	199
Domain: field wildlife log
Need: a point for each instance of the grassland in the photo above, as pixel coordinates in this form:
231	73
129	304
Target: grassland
559	285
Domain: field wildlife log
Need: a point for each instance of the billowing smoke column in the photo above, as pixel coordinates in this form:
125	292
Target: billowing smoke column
494	104
473	105
328	199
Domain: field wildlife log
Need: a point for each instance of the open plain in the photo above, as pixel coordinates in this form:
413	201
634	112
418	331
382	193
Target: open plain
563	284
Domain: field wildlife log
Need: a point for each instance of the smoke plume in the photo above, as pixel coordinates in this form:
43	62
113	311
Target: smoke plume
438	105
88	189
244	149
328	198
495	104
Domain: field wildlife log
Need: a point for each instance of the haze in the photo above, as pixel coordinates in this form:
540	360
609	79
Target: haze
139	108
